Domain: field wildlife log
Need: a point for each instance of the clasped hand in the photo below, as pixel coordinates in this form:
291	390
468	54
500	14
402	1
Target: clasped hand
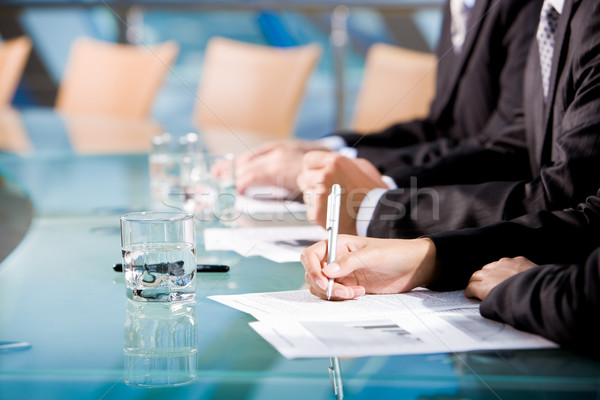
320	170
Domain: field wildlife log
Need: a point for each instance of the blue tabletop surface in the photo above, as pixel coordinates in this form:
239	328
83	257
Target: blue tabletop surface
60	294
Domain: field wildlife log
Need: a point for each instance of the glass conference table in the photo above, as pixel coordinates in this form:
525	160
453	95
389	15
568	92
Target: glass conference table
59	294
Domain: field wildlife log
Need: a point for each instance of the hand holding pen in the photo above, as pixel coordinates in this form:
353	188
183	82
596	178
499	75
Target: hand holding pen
369	265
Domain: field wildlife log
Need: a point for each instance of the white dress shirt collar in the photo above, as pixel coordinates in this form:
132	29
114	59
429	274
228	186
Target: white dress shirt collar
558	5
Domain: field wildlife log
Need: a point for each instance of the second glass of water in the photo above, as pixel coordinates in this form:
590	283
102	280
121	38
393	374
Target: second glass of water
159	256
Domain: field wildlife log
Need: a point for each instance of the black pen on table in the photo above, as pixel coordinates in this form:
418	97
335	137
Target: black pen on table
333	221
199	268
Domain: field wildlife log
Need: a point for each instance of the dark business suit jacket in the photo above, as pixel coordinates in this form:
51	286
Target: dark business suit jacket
544	237
479	90
563	137
559	302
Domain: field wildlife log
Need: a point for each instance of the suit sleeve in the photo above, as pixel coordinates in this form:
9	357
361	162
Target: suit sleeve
446	162
559	302
394	136
544	237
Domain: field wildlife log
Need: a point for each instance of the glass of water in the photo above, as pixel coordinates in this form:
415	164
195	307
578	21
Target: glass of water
159	256
170	161
211	178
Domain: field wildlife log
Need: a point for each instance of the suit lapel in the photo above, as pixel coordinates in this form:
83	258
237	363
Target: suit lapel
533	105
560	49
476	19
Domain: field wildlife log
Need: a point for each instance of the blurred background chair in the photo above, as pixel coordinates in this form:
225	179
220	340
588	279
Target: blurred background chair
111	79
13	57
398	85
252	87
13	135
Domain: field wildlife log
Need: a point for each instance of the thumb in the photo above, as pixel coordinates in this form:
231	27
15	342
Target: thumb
345	265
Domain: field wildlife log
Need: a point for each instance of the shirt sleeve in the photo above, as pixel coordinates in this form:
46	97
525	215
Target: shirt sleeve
336	143
366	210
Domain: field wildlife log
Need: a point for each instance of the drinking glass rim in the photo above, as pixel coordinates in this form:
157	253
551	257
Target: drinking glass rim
156	216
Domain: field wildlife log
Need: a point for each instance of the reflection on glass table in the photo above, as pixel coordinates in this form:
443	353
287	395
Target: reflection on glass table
160	344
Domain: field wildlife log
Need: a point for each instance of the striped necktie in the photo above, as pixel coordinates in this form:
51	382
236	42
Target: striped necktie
545	37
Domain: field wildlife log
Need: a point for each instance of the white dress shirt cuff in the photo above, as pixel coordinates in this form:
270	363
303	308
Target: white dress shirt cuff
348	152
389	182
336	143
366	210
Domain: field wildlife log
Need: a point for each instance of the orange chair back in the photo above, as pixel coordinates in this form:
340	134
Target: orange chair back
111	79
398	85
252	87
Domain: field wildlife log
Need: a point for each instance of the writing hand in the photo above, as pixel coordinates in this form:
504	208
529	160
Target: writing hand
368	265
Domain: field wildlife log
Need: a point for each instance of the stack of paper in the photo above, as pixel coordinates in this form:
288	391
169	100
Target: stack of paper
279	244
299	324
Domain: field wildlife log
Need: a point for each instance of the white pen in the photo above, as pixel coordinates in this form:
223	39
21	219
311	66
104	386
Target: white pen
332	225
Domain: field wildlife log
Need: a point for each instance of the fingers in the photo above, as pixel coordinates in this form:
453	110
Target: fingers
318	159
250	155
310	180
316	200
320	170
312	259
277	167
252	175
477	283
344	265
482	282
314	195
474	289
340	292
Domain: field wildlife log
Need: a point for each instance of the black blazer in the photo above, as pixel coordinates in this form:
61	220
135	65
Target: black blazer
559	302
544	237
478	91
563	137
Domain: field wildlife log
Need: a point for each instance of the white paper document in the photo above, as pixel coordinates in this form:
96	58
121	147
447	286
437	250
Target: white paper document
279	244
268	200
299	324
257	206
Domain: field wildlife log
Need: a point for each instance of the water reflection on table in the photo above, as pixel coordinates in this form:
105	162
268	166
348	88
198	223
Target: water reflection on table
160	344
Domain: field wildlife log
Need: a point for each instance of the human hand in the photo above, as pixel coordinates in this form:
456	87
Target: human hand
321	170
275	163
492	274
368	265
